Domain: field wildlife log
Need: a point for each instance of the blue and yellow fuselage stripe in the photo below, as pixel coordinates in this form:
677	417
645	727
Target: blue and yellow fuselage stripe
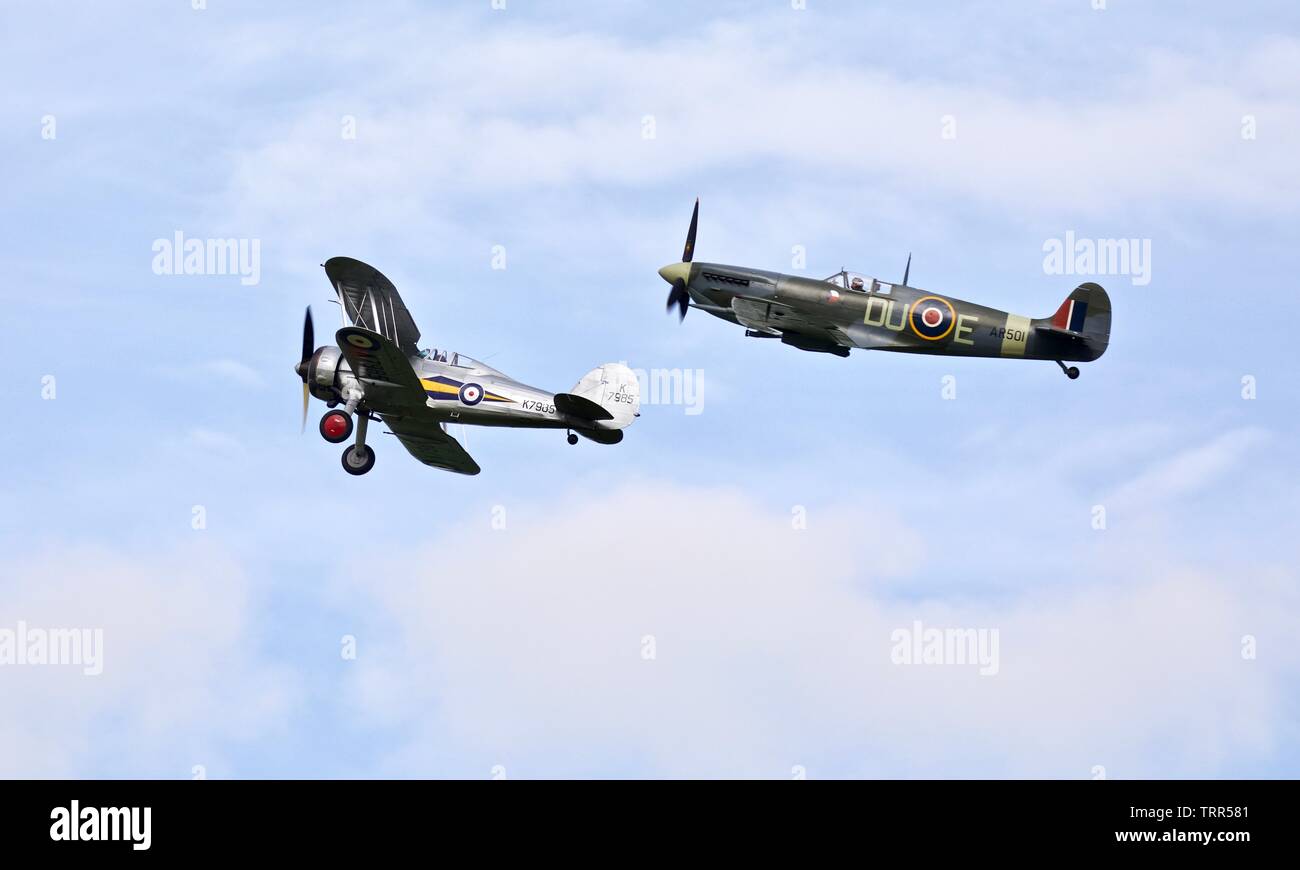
445	388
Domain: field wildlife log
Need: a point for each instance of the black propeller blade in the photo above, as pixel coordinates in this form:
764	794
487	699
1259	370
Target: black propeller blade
308	340
689	250
677	274
680	298
308	348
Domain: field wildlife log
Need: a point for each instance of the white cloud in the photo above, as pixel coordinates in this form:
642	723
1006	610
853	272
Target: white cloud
1190	470
521	111
181	680
772	649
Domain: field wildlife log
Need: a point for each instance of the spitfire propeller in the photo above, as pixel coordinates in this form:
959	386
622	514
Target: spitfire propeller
677	273
303	368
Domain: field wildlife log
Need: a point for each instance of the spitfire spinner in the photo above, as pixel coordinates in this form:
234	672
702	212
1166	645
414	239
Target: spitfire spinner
848	310
378	372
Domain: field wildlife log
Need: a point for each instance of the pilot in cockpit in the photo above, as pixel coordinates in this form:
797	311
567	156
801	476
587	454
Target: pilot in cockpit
857	283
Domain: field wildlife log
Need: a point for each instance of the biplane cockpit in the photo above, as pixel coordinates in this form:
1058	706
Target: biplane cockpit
460	360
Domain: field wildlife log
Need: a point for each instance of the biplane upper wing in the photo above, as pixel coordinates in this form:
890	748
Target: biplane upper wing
776	318
386	377
371	301
424	438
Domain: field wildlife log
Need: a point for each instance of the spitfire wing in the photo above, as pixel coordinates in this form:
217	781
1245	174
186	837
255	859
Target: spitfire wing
776	318
425	439
370	301
386	376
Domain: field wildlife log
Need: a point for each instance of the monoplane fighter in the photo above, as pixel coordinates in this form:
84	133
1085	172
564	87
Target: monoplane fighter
378	372
848	310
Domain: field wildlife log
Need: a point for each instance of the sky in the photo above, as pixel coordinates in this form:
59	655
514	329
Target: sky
734	590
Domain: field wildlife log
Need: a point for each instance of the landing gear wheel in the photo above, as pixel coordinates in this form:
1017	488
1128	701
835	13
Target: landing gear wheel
336	427
1072	372
354	463
573	439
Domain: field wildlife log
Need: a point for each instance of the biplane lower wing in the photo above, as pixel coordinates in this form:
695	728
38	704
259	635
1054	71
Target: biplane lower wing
386	376
424	438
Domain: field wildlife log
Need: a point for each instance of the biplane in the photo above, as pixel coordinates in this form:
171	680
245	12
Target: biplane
377	372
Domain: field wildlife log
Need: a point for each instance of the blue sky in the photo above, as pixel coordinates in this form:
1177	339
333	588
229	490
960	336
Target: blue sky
522	650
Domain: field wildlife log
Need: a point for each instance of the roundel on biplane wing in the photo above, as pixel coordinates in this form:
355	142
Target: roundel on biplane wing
932	318
361	342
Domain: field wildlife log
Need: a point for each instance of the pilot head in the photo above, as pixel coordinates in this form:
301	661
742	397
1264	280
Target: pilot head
857	284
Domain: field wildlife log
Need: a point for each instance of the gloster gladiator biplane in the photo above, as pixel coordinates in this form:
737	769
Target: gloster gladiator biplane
377	372
848	310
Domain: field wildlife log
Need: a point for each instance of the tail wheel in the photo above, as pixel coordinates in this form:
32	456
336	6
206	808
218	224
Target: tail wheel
1072	372
573	439
336	427
358	461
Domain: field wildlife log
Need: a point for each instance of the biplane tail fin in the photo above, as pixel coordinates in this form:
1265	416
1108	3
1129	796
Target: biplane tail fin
609	396
1085	314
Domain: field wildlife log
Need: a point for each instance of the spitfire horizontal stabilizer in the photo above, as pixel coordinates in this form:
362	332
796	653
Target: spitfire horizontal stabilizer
1055	330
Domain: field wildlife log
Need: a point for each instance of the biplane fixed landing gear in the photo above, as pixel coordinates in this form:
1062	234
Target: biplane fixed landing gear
355	462
359	458
1072	372
336	427
573	439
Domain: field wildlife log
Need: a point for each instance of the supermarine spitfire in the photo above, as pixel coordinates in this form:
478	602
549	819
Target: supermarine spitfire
378	372
848	310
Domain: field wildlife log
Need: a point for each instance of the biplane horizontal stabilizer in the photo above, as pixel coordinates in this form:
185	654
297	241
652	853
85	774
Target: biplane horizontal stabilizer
577	406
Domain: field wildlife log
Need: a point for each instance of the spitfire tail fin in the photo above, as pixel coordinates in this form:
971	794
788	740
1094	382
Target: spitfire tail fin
1085	312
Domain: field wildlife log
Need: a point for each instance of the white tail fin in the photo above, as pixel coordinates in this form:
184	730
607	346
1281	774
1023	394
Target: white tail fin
613	387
